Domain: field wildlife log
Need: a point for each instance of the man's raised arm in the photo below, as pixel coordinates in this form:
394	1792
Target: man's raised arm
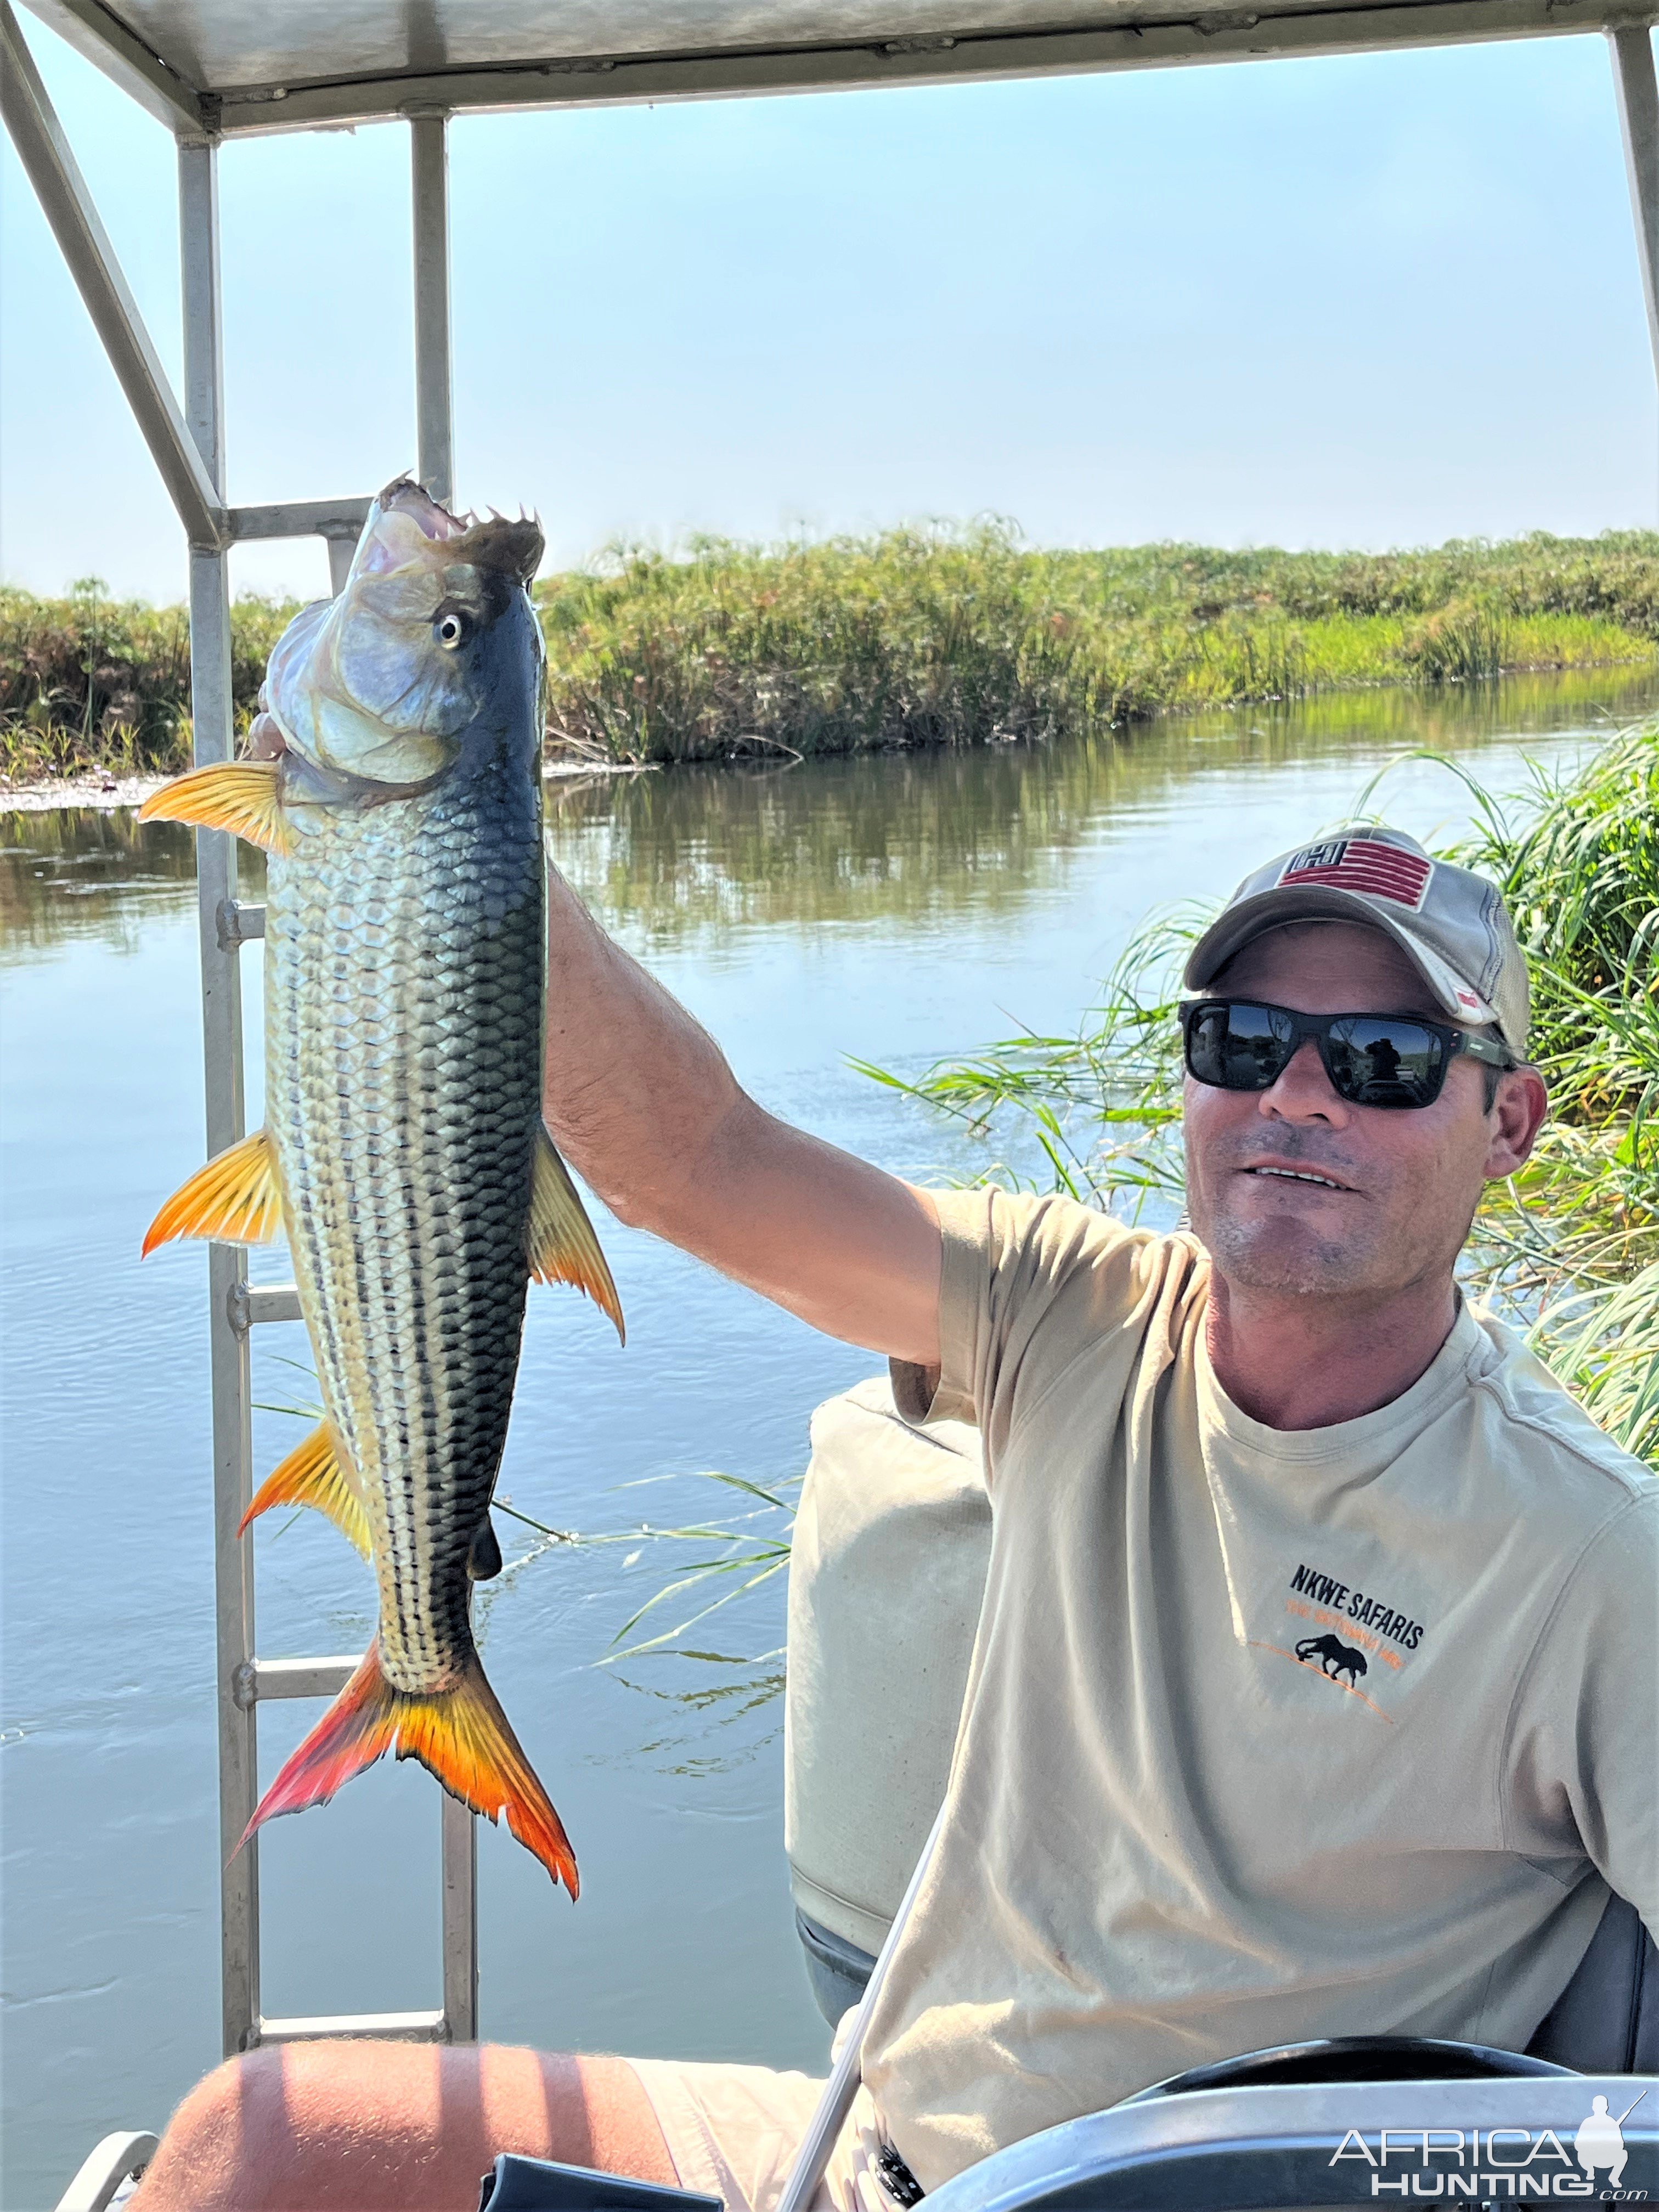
638	1098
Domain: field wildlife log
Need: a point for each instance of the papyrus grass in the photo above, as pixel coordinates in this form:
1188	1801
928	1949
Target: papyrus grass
957	637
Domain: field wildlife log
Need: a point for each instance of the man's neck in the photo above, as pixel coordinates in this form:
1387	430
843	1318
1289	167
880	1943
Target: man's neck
1307	1362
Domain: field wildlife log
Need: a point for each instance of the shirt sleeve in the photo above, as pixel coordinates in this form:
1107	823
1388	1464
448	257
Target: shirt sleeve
1028	1285
1583	1761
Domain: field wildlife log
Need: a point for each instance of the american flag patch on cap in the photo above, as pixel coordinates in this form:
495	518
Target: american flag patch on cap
1361	863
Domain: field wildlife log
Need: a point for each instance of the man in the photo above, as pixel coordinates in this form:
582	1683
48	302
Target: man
1315	1689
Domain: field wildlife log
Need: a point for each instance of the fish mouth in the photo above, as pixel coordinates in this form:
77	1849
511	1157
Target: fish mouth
413	500
513	548
1283	1170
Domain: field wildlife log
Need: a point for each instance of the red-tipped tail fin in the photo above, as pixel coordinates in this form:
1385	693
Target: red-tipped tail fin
461	1736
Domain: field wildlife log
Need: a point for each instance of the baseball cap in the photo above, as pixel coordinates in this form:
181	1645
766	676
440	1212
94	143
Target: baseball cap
1451	924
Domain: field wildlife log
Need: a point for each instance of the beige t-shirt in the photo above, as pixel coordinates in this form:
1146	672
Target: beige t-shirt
1269	1734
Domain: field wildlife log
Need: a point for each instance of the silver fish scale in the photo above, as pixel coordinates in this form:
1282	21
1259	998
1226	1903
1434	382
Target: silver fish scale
403	975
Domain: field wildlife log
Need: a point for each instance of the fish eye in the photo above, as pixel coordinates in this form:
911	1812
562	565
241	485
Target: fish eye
452	629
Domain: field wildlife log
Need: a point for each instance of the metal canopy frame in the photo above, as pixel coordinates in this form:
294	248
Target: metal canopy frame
187	442
567	52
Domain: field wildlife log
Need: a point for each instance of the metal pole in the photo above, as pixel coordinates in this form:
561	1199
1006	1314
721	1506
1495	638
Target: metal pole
818	2144
341	543
44	154
1639	119
221	1024
458	1851
433	414
436	466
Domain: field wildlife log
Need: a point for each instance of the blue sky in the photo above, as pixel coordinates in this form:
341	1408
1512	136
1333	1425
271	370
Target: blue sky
1370	301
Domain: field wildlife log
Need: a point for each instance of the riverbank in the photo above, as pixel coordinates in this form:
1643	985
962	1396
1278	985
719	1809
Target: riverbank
911	640
97	789
100	788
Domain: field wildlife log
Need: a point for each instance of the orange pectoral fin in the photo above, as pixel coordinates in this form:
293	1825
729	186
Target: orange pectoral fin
315	1472
236	1199
461	1736
241	796
559	1236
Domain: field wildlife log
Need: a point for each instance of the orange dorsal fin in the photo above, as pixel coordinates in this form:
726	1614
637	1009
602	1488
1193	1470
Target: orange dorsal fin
559	1236
316	1473
460	1734
241	796
236	1199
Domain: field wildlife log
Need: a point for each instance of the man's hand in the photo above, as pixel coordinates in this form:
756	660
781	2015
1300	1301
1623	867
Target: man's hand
640	1100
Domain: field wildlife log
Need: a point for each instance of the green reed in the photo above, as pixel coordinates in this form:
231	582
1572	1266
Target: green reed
1574	1240
87	681
965	636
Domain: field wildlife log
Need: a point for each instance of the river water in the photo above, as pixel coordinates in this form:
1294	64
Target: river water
895	909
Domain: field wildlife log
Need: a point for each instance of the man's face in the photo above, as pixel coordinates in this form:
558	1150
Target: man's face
1393	1190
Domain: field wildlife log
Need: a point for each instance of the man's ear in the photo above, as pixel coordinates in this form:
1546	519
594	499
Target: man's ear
1518	1115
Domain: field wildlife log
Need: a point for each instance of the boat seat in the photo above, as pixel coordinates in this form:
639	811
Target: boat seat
1605	2022
836	1969
1607	2019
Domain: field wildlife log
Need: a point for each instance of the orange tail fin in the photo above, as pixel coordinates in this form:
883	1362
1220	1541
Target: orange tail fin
461	1736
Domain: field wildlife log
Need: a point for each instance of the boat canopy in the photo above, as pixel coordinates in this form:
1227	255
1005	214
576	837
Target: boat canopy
235	66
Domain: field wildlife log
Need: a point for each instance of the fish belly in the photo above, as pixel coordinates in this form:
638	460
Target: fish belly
403	975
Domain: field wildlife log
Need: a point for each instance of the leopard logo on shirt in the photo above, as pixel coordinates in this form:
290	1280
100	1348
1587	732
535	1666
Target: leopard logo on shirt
1335	1657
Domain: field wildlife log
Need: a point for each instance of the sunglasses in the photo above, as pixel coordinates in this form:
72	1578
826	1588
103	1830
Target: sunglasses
1372	1060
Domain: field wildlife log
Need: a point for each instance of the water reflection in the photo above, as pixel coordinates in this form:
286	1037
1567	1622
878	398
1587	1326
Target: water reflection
78	872
694	1737
695	848
680	850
